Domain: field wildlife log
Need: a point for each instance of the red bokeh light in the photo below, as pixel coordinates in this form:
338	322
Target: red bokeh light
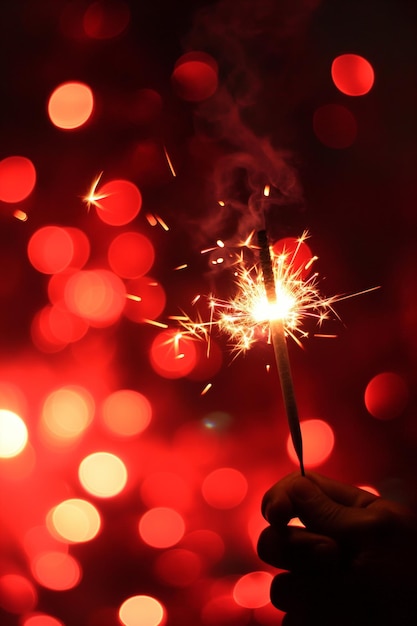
56	287
70	105
386	396
335	126
56	570
50	249
81	247
64	326
207	543
106	19
53	328
178	567
173	355
17	178
352	74
318	442
295	253
17	593
253	590
126	412
98	296
131	255
224	488
195	76
161	527
146	299
120	202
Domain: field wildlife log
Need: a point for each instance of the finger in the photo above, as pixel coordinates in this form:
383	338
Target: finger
322	515
342	493
277	502
278	506
297	549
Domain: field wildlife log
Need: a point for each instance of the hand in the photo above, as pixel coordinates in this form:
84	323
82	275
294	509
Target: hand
354	563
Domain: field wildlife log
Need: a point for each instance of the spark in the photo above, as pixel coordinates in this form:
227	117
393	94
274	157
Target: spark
93	198
245	318
155	323
181	267
267	190
131	296
151	219
247	243
171	167
219	244
206	389
154	219
310	262
161	222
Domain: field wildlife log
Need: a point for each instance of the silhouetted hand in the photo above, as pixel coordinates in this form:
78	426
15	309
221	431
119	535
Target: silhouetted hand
354	563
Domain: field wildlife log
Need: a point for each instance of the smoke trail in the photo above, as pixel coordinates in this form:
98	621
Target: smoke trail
252	41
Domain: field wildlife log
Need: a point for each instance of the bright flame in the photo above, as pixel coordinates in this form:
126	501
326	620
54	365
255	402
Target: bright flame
246	317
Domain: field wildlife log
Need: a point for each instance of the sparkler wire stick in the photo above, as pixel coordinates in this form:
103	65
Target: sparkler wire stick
279	344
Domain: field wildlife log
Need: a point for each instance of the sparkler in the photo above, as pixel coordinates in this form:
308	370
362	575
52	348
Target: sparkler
273	300
279	343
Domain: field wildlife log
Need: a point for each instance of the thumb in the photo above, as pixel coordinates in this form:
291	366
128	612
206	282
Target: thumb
323	515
